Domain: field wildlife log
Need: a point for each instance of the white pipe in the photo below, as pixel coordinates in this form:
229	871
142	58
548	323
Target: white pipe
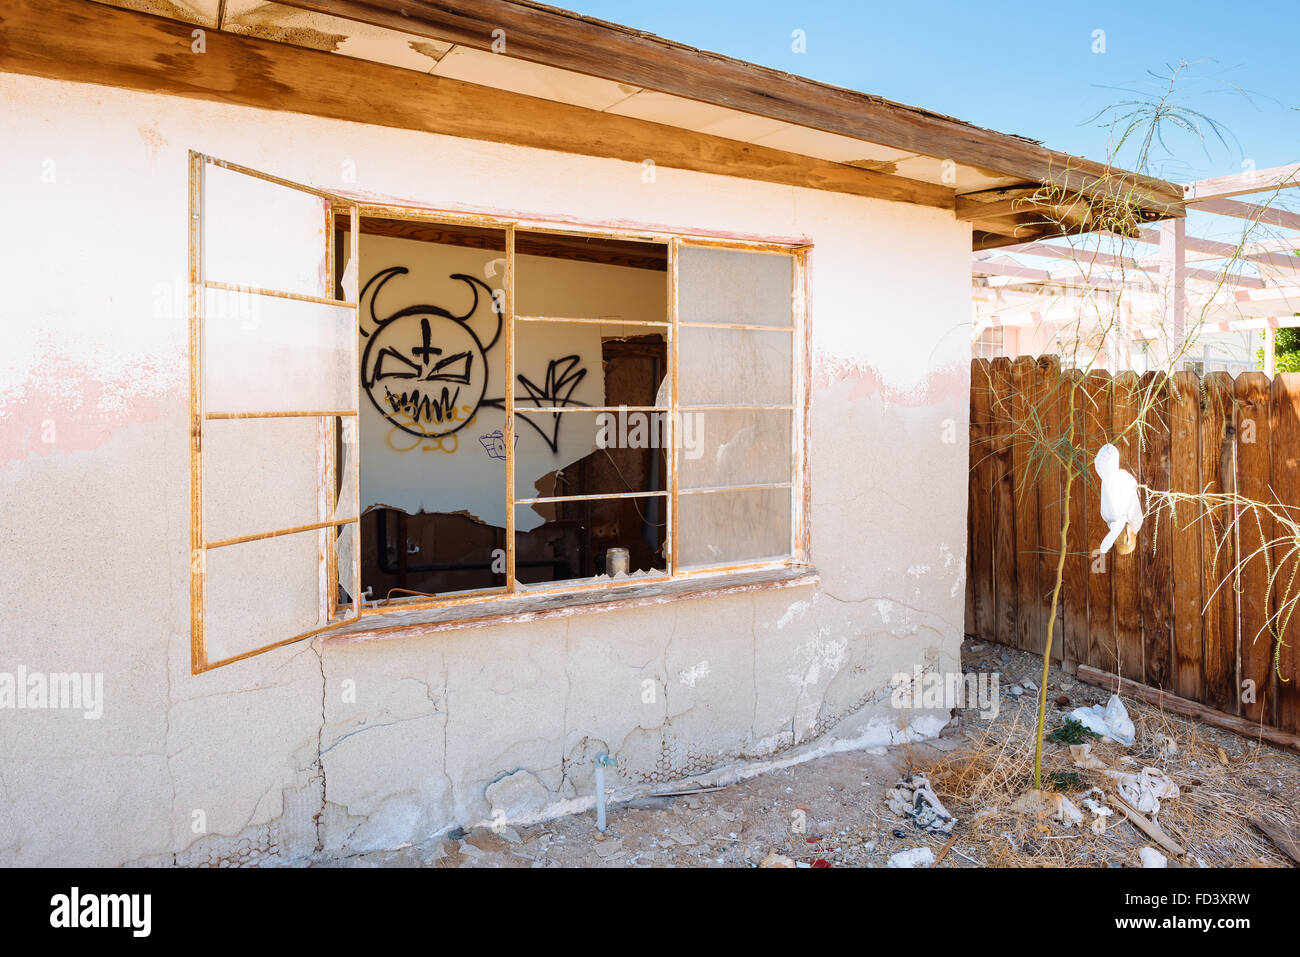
602	759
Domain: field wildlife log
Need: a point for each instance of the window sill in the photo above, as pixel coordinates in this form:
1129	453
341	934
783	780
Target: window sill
524	608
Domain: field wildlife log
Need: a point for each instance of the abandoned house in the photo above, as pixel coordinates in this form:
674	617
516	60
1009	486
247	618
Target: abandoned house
400	409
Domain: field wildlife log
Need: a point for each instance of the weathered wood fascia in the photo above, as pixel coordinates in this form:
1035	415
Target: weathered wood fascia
82	41
565	40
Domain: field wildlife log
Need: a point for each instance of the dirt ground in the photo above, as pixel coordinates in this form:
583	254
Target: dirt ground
831	812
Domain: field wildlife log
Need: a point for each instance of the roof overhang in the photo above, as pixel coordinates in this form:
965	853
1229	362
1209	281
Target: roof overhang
575	84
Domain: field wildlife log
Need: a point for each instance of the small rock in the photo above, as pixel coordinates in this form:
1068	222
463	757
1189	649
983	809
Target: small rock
1062	700
776	860
1016	690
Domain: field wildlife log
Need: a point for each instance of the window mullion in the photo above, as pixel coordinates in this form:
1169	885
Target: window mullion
673	424
509	435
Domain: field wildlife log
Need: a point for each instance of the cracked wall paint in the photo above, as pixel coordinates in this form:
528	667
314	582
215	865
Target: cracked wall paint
284	763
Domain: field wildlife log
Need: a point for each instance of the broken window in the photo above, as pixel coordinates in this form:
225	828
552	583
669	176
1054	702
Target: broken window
410	409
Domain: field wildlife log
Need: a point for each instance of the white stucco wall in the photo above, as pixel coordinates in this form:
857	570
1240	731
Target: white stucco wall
95	507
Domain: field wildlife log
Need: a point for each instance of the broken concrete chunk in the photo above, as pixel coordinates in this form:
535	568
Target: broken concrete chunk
516	795
776	860
915	857
1152	858
1049	804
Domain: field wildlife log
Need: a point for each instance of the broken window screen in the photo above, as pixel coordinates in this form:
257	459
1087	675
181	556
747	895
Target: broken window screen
736	357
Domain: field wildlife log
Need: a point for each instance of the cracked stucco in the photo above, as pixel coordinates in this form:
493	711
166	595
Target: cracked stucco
268	752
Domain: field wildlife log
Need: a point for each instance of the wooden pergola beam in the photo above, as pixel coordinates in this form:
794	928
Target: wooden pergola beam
1242	184
1250	211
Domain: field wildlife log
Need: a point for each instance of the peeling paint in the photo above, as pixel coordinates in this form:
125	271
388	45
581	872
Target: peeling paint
67	406
942	386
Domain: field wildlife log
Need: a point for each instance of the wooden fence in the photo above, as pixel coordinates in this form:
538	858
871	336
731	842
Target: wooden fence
1182	612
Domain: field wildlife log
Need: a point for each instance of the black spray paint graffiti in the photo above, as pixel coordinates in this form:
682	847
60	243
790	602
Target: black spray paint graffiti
425	369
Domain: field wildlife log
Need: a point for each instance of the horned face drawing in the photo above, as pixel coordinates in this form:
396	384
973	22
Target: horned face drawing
424	367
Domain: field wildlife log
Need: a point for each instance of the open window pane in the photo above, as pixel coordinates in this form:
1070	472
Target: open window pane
732	527
263	593
734	447
734	287
266	461
735	367
262	234
264	354
262	475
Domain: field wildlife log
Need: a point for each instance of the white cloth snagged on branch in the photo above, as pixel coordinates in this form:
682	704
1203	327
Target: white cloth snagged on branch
1120	505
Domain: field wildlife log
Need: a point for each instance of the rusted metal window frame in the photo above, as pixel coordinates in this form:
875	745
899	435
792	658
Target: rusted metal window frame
327	505
672	239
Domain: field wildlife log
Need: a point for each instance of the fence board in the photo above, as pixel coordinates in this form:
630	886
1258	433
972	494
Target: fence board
1004	505
1126	569
1185	535
1189	610
1074	647
1253	435
1286	485
981	544
1025	454
1155	562
1102	649
1049	499
1218	554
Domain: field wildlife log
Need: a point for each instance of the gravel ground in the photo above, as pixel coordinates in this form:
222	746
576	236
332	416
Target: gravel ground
832	812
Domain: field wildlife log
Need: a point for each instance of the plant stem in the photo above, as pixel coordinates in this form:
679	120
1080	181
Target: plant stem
1056	599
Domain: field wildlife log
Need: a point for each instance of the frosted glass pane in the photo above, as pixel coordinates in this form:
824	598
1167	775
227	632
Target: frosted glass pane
264	354
740	447
263	592
260	234
260	475
735	367
725	285
726	528
346	453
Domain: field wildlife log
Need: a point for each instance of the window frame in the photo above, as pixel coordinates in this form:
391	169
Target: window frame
341	615
800	253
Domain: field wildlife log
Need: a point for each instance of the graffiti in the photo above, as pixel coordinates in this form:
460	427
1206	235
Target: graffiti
425	370
494	443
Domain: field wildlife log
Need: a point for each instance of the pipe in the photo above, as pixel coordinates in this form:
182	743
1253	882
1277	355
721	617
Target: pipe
602	760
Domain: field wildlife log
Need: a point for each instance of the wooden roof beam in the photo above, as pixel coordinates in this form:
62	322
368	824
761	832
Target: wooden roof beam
86	42
568	41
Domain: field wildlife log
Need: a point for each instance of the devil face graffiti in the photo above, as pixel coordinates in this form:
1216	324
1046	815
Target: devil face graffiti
425	368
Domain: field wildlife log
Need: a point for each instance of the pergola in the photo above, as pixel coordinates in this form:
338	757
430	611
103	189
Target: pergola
1250	285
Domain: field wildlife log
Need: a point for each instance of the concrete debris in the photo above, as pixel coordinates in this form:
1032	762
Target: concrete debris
1049	804
516	795
914	797
1152	858
915	857
776	860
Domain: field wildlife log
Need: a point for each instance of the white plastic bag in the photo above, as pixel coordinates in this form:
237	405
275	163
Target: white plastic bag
1120	505
1111	722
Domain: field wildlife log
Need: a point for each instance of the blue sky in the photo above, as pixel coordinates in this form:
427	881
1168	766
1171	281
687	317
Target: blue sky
1025	68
